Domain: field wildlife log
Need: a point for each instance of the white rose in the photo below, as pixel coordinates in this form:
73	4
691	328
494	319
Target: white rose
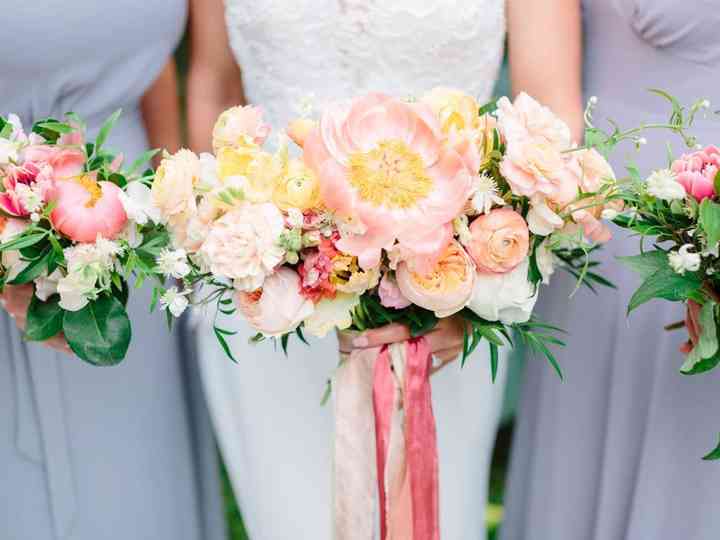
76	290
332	313
508	298
663	185
683	260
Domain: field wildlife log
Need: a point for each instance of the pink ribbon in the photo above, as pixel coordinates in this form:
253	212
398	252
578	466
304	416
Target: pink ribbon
393	383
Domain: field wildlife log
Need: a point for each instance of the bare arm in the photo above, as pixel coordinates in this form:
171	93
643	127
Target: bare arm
161	110
545	50
214	77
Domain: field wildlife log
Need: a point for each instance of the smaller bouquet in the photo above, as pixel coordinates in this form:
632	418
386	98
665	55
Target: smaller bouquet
76	227
679	208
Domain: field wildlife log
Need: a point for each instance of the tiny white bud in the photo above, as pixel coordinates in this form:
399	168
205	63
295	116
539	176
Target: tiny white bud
593	100
698	146
642	141
35	217
705	104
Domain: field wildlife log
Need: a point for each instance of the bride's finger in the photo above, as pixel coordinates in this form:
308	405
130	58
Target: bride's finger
392	333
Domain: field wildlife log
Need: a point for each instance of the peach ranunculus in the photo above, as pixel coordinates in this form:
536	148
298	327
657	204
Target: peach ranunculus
278	307
85	209
696	172
535	139
499	240
446	289
240	126
592	169
173	191
382	160
243	245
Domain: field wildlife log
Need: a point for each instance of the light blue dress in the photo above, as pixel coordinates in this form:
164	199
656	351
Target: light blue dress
90	453
613	453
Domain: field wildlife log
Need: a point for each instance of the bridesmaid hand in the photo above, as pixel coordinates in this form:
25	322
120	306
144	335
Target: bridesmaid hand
692	322
16	299
445	340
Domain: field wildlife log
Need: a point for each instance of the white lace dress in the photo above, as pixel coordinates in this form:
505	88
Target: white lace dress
274	435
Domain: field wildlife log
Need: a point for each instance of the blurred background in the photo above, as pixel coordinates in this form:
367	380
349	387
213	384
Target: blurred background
501	455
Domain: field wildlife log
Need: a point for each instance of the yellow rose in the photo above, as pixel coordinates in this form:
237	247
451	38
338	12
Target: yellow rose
298	188
456	110
235	161
173	191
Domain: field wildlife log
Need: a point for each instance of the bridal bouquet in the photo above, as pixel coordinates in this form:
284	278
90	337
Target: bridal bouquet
679	208
75	227
404	211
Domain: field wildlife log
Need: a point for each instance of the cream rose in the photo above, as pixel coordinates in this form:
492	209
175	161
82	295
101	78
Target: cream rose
508	298
243	245
278	307
239	126
446	289
331	314
173	191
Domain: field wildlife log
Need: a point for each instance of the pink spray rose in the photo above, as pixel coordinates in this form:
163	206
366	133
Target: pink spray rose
500	241
278	307
696	172
390	294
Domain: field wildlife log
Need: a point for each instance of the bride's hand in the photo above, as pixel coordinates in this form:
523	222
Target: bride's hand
692	322
16	299
445	340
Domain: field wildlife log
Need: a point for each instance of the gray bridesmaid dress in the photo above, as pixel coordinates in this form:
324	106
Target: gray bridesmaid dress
614	452
90	453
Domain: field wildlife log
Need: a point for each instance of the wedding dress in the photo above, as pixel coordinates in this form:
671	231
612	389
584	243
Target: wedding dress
275	436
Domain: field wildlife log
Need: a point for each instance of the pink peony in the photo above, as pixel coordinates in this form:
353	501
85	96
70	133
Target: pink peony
86	209
500	240
696	172
535	139
278	307
390	294
446	289
66	162
382	161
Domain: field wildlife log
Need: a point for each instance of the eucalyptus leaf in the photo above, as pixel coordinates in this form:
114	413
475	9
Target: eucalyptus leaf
100	332
22	241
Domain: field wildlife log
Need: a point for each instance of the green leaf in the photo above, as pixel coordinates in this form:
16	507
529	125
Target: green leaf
427	321
710	221
100	332
220	335
647	263
488	108
144	158
56	127
714	455
22	241
44	319
716	182
707	346
493	361
33	270
667	285
284	343
105	130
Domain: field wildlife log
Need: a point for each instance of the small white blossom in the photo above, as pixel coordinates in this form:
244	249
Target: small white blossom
46	286
295	218
137	202
173	263
684	260
8	151
593	100
175	301
663	185
642	141
705	104
485	194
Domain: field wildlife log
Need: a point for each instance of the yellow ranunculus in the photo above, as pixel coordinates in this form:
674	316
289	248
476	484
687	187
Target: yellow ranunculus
235	161
457	110
298	188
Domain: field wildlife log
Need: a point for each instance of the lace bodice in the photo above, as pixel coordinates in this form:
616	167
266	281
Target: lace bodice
333	49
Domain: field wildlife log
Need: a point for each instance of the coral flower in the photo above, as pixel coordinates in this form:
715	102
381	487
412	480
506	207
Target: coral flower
382	161
499	240
86	208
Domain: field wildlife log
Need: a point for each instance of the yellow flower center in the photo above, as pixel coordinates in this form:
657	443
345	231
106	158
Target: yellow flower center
92	187
390	175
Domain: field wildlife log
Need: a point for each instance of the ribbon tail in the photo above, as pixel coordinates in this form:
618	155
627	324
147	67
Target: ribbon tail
354	467
421	441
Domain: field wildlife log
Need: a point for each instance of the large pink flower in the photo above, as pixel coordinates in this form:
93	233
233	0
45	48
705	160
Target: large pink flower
382	161
66	162
86	208
696	172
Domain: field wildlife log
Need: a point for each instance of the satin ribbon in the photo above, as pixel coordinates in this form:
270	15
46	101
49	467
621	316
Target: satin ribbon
388	389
